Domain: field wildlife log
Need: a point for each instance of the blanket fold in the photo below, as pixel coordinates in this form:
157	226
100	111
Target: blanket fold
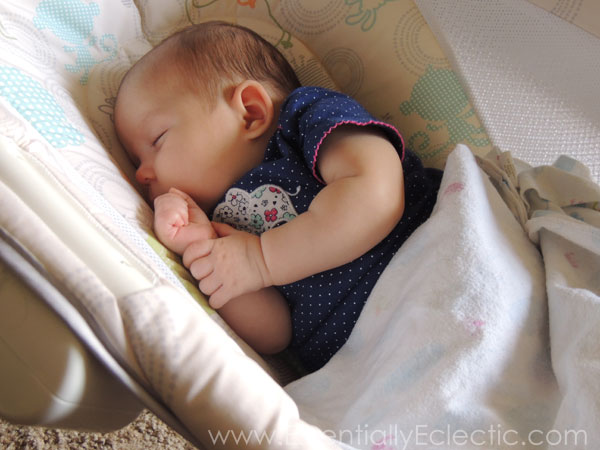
563	205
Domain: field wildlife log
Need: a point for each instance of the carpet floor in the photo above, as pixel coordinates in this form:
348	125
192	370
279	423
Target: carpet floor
147	432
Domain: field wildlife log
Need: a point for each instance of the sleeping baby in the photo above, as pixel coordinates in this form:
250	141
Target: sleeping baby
285	202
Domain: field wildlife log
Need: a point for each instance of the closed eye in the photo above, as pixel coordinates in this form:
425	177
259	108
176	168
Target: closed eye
158	139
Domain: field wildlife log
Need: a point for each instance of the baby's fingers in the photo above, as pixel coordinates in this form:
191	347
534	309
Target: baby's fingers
200	270
209	283
168	203
212	287
217	300
188	200
196	250
179	193
195	212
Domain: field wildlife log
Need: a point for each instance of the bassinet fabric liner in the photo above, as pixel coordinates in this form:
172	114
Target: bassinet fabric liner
60	67
583	13
532	73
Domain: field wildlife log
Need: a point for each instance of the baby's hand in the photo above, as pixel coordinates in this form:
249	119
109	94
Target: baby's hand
179	221
229	266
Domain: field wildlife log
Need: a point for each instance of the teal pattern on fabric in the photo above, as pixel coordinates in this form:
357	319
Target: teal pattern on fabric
366	13
73	21
39	107
439	98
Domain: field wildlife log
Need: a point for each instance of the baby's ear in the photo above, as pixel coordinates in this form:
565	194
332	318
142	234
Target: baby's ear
255	106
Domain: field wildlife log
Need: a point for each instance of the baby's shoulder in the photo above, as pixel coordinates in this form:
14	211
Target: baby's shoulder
307	97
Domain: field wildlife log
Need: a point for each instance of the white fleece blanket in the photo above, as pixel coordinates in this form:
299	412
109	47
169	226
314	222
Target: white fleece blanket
453	347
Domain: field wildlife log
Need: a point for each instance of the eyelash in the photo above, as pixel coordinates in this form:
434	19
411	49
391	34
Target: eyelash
158	138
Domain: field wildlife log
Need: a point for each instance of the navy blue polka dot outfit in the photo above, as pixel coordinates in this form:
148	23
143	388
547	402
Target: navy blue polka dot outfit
325	306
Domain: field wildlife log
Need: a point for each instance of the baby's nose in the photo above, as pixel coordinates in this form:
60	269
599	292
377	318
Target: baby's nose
144	175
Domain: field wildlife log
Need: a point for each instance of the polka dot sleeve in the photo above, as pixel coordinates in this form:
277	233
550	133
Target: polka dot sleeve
310	114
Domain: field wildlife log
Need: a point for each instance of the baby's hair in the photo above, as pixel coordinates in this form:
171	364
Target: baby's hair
210	54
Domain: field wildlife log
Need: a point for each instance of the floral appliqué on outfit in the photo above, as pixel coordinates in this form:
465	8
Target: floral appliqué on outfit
266	207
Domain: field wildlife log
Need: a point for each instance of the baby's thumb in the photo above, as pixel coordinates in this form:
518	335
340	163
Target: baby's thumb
222	229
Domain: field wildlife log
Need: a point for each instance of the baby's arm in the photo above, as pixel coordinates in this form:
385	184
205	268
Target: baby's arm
178	221
260	318
361	204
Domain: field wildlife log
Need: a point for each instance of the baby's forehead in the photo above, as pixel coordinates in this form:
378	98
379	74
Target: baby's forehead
152	63
144	78
162	70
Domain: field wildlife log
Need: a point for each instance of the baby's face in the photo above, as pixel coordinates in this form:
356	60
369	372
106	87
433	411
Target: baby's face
174	140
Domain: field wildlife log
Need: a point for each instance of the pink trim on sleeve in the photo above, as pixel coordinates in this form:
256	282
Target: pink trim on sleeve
351	122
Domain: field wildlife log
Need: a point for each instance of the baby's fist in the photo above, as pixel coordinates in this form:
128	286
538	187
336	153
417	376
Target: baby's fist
178	221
